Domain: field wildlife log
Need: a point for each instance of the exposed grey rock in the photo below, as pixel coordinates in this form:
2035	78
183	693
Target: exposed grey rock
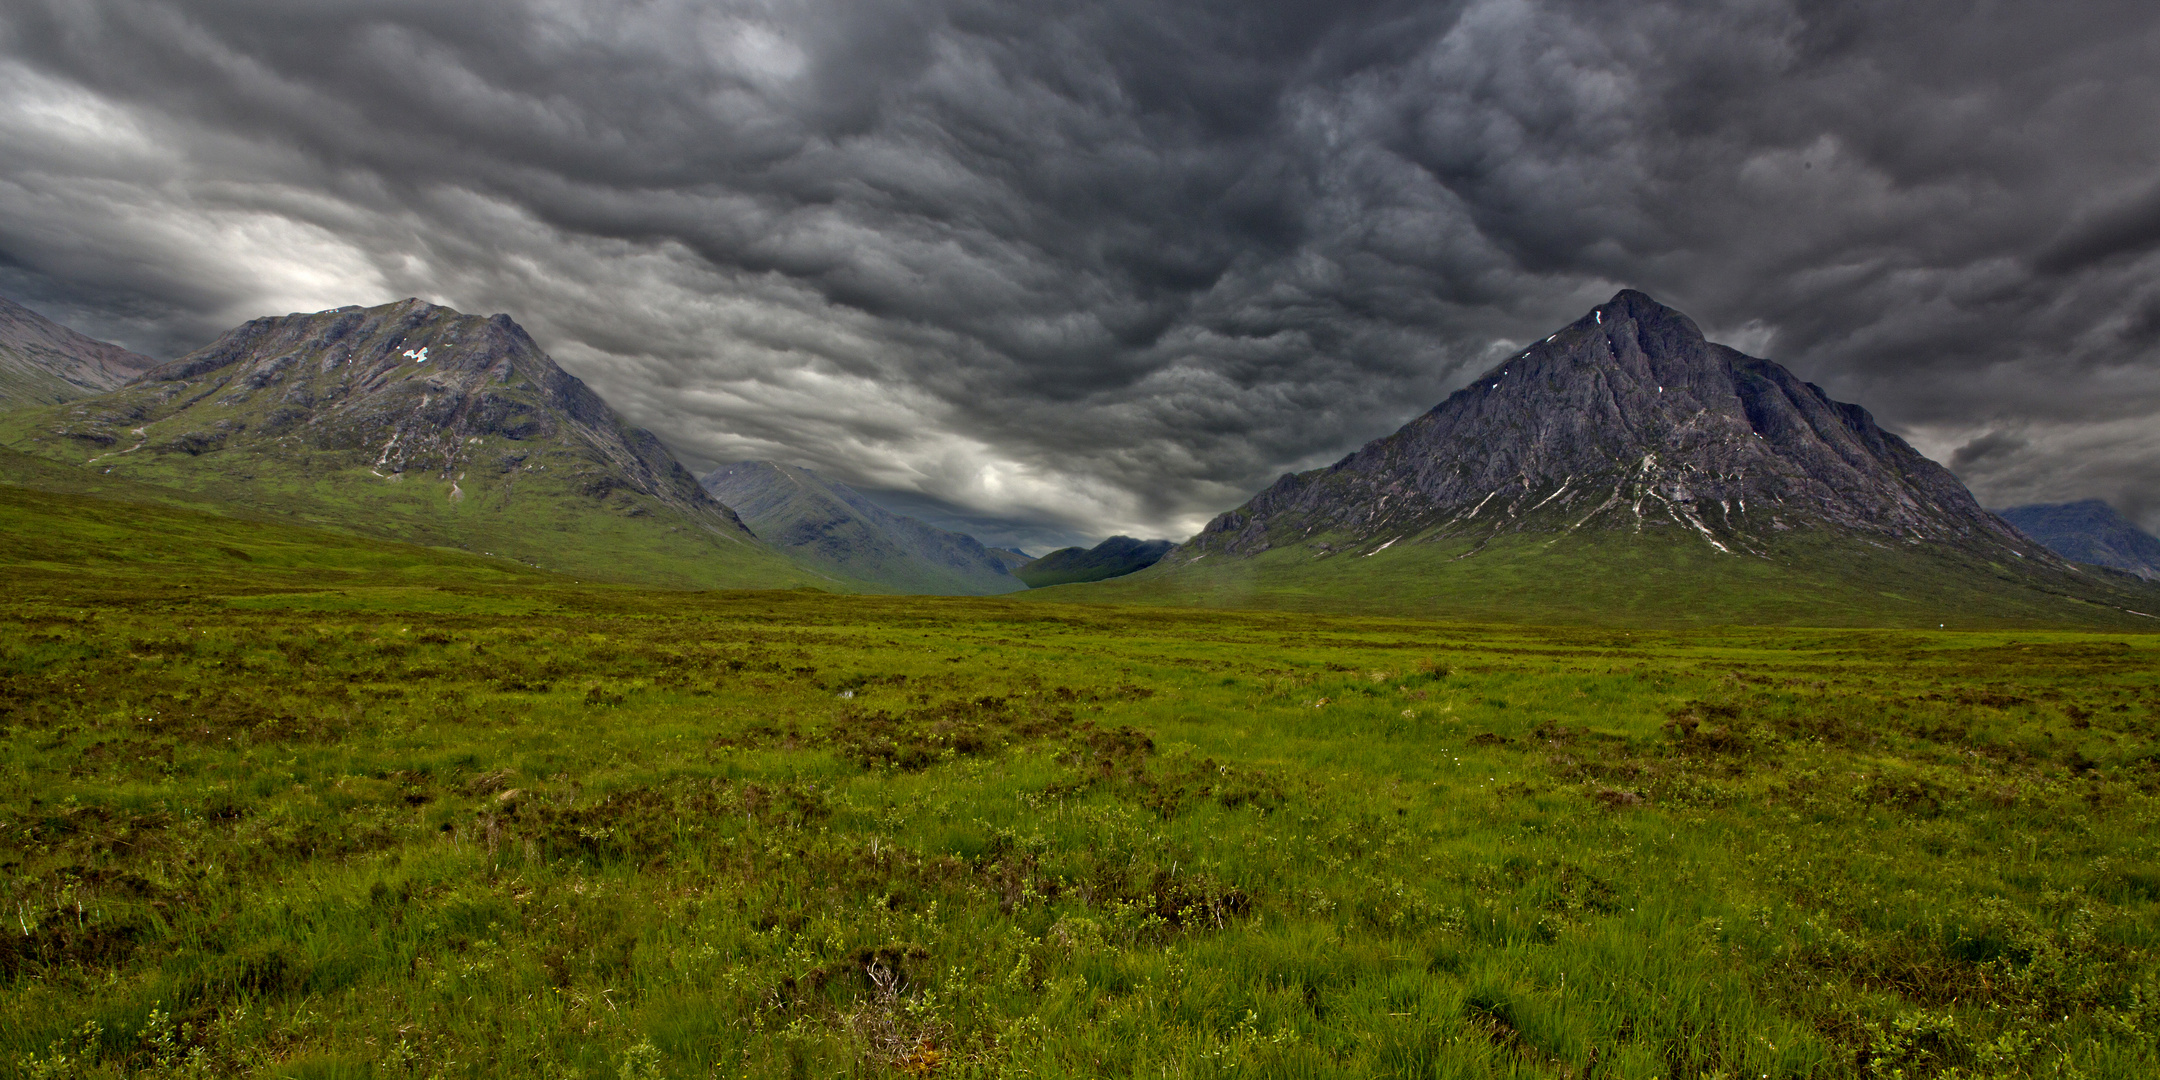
407	386
1626	419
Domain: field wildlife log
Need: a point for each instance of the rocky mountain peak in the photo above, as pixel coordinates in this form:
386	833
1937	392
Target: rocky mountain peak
1627	418
404	387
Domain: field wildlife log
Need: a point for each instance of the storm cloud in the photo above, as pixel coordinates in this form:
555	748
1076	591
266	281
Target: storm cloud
1111	267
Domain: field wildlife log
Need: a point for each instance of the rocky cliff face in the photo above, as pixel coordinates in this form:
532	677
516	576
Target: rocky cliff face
1626	419
45	363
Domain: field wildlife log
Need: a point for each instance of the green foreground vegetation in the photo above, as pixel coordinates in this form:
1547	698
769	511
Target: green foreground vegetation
331	807
1656	577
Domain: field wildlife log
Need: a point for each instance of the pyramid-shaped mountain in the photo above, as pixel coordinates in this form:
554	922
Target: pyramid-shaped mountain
414	422
1622	468
45	363
836	530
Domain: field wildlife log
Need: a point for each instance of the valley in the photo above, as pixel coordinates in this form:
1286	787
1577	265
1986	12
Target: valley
375	703
374	810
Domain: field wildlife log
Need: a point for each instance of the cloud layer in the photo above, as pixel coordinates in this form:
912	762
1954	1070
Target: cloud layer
1111	267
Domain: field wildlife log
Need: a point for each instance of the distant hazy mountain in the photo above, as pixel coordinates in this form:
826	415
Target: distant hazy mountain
1022	532
1622	469
1115	557
412	422
832	528
45	363
1011	558
2090	532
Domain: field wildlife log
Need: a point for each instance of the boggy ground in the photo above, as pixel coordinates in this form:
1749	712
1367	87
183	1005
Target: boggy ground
549	831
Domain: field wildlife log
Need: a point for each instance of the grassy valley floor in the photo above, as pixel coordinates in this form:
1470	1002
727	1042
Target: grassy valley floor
1657	577
330	807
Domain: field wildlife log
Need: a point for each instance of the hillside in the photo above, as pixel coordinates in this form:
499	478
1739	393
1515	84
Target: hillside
832	528
1625	469
45	363
2090	532
416	423
1115	557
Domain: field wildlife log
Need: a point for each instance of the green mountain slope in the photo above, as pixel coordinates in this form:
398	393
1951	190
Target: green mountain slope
45	363
114	535
1115	557
1652	579
835	530
415	423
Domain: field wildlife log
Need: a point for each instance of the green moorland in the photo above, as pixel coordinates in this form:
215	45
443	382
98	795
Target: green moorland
352	809
1657	577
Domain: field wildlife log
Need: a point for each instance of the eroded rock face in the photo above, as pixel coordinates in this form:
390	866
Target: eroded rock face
1626	419
404	387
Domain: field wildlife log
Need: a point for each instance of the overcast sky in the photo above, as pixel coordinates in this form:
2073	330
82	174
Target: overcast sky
1111	267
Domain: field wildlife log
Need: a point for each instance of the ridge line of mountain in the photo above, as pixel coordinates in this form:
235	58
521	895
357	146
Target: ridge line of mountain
414	422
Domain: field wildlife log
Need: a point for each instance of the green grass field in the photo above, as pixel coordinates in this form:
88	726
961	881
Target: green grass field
1658	577
284	803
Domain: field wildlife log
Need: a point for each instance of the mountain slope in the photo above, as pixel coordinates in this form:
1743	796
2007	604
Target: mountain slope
1627	469
412	422
2090	532
833	528
1115	557
45	363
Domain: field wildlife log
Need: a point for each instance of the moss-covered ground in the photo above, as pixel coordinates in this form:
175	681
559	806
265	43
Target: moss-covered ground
274	806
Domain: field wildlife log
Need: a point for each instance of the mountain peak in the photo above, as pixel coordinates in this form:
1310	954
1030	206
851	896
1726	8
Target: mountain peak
1627	418
454	418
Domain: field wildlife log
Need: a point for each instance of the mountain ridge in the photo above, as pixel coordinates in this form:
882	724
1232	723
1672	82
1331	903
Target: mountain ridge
1113	558
413	422
2089	531
835	529
1627	443
1644	416
43	362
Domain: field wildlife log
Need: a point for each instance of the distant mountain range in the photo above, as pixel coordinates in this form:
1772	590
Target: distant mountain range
1115	557
412	422
836	530
1624	468
45	363
2090	532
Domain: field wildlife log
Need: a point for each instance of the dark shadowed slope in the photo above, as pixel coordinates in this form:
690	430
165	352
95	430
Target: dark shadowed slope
834	529
1626	469
2090	532
1115	557
417	423
45	363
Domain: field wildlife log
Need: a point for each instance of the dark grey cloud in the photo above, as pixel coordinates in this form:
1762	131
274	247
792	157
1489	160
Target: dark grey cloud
1110	267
